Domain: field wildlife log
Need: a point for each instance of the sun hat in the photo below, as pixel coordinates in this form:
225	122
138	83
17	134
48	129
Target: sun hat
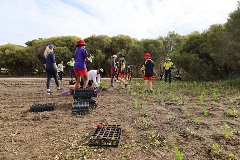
50	46
146	56
168	59
121	55
114	56
81	43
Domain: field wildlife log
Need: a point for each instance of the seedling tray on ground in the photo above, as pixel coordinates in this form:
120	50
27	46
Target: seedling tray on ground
107	136
84	93
42	107
80	107
92	102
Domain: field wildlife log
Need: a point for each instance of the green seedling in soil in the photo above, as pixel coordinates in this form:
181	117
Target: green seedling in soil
226	130
201	99
215	149
232	112
195	106
205	112
154	138
231	156
84	152
197	121
120	90
177	153
135	103
215	96
145	123
187	114
189	132
143	111
103	84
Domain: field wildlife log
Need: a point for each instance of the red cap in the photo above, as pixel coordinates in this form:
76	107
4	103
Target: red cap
146	56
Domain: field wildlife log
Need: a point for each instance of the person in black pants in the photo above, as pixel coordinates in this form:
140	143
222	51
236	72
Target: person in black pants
50	67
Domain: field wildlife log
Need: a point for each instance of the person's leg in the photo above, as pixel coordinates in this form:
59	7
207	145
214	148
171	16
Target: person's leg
71	72
60	75
82	81
78	80
56	80
85	81
49	76
112	77
150	85
165	76
146	85
170	76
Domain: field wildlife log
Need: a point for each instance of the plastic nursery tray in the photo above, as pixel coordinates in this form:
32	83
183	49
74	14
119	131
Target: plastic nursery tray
80	107
107	136
42	107
84	93
92	102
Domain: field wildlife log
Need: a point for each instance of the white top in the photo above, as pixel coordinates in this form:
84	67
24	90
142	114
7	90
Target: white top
60	67
92	75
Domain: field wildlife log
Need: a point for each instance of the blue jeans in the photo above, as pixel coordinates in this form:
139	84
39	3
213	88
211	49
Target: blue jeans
51	74
168	73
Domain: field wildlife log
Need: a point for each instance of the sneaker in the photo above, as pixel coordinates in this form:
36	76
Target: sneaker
117	81
49	92
58	89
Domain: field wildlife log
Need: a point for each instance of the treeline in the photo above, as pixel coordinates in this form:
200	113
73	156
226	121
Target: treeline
211	55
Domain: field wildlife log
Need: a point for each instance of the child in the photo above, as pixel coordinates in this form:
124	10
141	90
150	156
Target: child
113	69
148	72
60	70
129	72
122	70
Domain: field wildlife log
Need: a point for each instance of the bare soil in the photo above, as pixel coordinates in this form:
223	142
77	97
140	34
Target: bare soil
152	123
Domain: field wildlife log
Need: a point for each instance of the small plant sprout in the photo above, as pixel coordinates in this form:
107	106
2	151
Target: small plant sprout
205	112
215	149
177	153
145	123
226	130
187	114
197	121
189	132
201	99
232	112
231	156
143	111
135	103
195	106
155	138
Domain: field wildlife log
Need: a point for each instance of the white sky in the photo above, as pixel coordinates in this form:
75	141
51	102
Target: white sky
25	20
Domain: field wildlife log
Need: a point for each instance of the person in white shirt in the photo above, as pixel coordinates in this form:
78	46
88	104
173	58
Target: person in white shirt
94	76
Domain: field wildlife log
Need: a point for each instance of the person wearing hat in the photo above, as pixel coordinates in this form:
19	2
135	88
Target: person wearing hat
122	70
94	76
167	67
50	67
81	56
113	69
148	72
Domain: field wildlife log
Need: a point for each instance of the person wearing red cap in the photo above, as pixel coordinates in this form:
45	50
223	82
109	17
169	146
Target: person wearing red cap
148	72
81	56
50	67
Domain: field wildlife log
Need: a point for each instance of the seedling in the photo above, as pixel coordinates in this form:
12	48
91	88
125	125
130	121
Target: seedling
215	149
143	111
197	121
226	130
177	153
189	132
135	103
187	114
232	112
205	112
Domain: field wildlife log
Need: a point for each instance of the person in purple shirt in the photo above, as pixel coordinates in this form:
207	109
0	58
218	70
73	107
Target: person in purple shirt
50	67
81	56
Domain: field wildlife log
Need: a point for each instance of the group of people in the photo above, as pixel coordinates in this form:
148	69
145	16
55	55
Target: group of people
77	66
119	69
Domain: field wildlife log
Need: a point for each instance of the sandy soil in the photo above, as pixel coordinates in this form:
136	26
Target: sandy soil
152	124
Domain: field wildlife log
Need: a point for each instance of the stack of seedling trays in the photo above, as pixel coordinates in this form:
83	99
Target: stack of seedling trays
42	107
107	136
83	100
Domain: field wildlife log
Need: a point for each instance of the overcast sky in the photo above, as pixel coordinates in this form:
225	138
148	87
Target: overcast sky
25	20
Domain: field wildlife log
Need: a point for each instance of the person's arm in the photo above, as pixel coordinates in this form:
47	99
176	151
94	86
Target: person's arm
95	80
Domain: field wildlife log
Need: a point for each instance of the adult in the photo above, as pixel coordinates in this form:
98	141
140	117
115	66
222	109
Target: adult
167	67
71	64
50	67
113	69
148	72
81	56
94	77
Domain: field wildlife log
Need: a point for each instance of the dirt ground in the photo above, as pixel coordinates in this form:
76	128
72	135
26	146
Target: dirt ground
154	125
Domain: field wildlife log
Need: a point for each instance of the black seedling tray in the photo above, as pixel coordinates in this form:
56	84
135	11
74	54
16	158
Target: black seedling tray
92	102
84	93
107	136
42	107
80	107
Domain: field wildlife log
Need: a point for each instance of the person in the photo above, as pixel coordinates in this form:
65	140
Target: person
129	72
60	70
117	72
81	56
94	76
50	67
177	76
71	64
148	72
113	69
122	71
167	67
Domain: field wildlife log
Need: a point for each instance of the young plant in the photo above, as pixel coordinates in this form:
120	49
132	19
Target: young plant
232	112
135	103
226	130
187	114
155	138
205	112
177	153
201	99
189	132
197	121
215	149
143	111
